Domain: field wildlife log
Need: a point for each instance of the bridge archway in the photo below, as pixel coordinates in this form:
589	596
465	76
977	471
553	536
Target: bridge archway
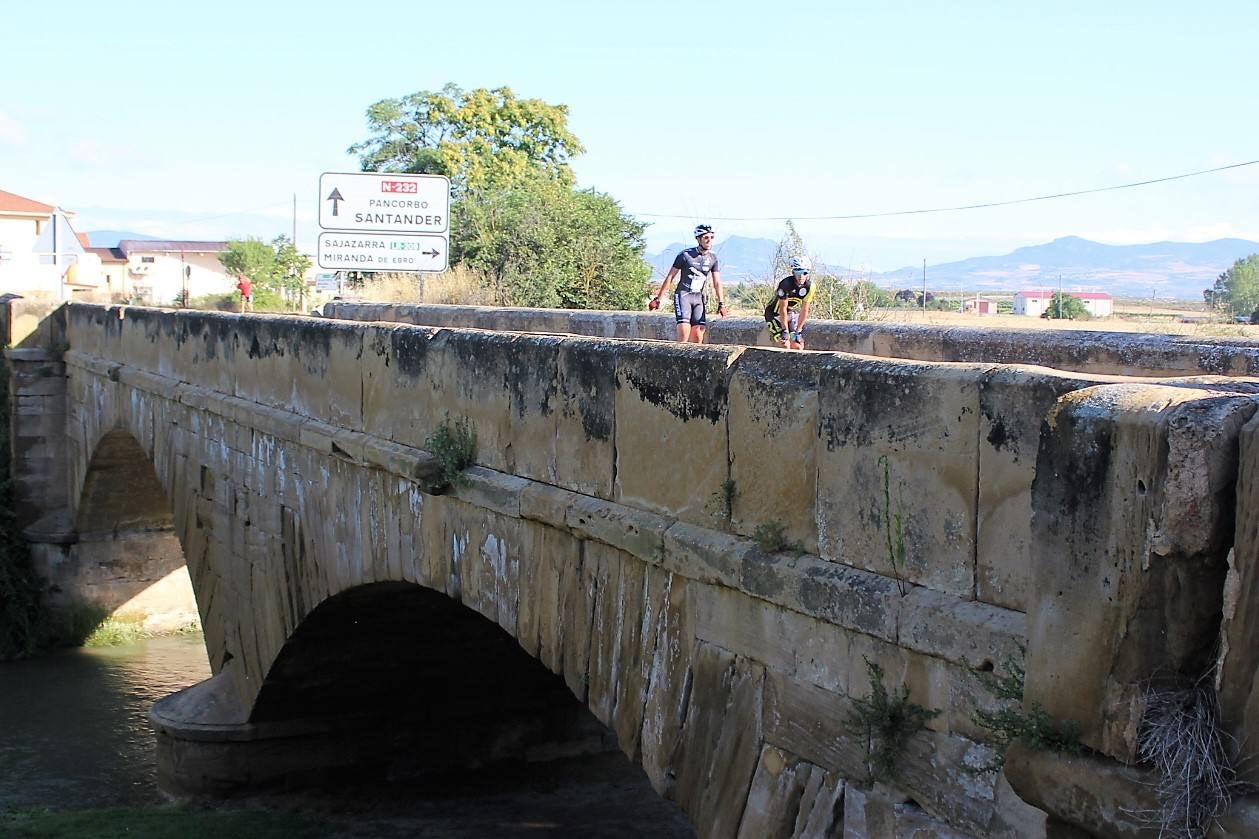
125	560
432	684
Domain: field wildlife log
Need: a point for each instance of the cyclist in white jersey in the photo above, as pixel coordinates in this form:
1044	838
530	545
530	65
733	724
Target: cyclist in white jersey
693	267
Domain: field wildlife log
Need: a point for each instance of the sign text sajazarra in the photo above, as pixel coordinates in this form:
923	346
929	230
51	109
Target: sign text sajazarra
381	252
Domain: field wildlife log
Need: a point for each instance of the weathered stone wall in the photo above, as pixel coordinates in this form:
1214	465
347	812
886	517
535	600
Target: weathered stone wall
608	528
1093	352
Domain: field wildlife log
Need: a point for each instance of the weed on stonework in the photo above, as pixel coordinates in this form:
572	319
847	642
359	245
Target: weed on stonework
772	538
723	499
885	722
1032	727
454	446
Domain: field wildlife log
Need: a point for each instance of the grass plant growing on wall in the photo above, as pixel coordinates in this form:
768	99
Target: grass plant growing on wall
771	537
1032	726
885	722
454	446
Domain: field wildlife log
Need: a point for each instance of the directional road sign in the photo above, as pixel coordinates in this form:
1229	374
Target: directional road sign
381	252
384	203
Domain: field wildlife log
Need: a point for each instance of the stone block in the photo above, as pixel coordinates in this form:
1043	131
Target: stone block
546	504
1238	675
667	703
773	444
631	530
1132	497
704	555
671	410
491	490
900	440
584	451
1014	402
721	739
848	597
791	798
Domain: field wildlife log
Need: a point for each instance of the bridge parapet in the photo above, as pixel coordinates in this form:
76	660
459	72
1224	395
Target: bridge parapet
609	528
1086	351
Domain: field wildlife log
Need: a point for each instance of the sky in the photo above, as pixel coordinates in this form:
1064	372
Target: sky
204	121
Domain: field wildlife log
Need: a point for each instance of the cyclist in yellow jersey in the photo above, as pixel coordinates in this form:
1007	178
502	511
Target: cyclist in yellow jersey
786	313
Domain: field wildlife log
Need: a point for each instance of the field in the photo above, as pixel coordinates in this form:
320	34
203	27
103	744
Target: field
1160	322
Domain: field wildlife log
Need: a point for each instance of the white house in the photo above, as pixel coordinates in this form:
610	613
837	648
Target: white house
1099	304
40	254
159	273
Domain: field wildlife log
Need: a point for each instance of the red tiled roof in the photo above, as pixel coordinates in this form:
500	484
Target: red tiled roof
10	203
1083	295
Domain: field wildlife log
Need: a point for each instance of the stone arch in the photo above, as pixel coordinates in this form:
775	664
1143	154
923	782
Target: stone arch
423	682
125	559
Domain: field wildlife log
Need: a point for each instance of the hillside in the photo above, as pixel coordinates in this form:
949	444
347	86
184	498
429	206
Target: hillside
1179	270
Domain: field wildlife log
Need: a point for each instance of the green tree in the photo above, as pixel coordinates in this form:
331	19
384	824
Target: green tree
544	244
251	257
516	218
478	138
288	270
1063	306
277	270
1237	289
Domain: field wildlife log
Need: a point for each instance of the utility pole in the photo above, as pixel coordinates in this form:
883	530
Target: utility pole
294	219
924	287
1059	297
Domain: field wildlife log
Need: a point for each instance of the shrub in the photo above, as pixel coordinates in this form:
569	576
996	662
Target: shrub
885	721
454	446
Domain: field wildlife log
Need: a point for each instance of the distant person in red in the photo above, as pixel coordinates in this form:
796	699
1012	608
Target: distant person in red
246	290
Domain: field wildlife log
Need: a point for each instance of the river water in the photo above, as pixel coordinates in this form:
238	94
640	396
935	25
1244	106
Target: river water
74	734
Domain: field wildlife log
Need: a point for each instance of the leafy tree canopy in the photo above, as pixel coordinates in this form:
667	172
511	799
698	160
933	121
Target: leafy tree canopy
478	138
277	271
1238	287
516	219
544	244
1063	306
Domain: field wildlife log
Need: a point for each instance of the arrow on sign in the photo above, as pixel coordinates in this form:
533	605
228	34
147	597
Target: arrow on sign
334	197
434	252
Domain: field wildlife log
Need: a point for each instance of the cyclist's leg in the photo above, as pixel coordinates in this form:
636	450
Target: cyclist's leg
699	319
682	318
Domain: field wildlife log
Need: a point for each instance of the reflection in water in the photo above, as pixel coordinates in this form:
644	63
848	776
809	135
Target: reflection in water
74	730
74	734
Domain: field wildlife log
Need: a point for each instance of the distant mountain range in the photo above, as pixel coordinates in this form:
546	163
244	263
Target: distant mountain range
1179	270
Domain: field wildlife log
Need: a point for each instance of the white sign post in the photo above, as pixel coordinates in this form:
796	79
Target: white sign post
376	221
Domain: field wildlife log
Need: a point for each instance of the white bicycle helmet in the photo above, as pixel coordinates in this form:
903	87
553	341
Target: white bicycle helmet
801	263
701	229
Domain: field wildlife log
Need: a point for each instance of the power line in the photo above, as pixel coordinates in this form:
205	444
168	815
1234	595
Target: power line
981	206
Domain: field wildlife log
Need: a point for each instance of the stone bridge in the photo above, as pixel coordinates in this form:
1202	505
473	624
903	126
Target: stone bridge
706	547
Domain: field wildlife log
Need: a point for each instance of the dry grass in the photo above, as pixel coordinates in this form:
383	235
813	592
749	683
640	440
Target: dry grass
1118	323
1194	758
456	286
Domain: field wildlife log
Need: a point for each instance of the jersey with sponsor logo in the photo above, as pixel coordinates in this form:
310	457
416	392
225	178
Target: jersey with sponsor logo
792	293
695	266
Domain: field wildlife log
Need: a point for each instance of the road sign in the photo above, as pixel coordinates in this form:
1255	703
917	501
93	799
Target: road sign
380	252
384	203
